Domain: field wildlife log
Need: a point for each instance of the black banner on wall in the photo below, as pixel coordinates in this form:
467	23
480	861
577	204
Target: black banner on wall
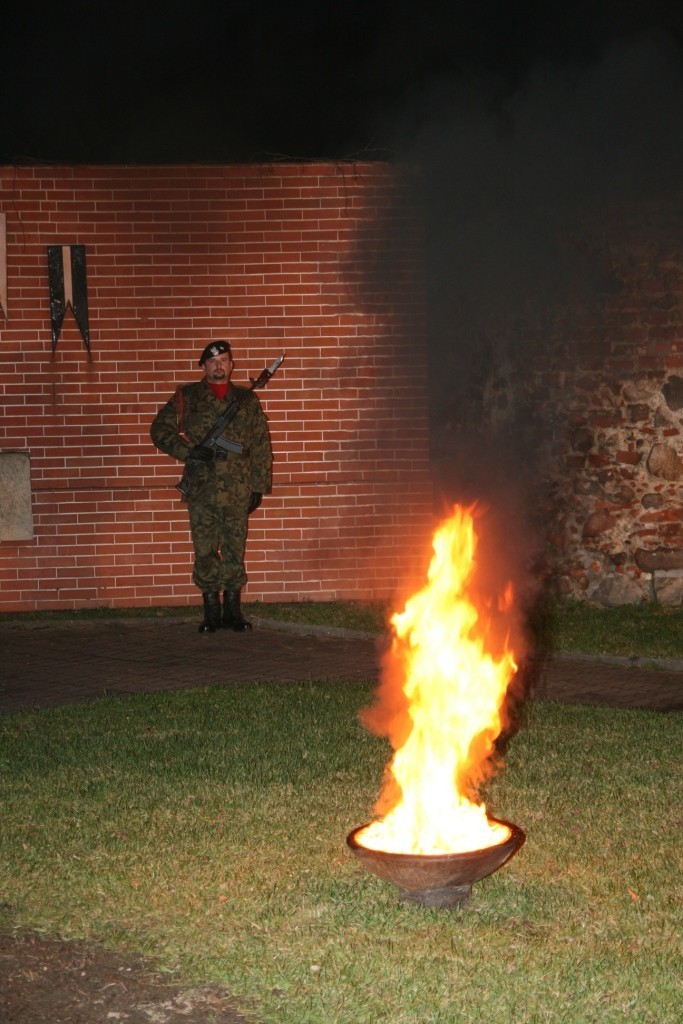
68	289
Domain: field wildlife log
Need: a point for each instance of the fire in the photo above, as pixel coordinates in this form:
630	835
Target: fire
444	722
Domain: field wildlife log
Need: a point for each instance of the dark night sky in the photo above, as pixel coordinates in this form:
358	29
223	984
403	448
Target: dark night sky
253	79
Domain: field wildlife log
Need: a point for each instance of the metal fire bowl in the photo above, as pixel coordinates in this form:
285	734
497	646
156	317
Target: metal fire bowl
438	879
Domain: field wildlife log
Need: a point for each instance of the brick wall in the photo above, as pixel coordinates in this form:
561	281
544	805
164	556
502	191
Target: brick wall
277	258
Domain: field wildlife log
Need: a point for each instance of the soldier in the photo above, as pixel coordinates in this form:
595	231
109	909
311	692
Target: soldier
225	488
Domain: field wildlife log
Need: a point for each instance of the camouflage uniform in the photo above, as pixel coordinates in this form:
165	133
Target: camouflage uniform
221	491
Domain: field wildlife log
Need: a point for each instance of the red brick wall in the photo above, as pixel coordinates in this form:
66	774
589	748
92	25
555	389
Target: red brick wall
277	258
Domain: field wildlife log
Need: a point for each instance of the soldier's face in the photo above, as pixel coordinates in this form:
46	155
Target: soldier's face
218	368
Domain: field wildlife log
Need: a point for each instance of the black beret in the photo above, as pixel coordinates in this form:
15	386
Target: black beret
216	348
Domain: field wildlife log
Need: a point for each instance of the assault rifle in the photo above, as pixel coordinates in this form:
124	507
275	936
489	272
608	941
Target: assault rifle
214	439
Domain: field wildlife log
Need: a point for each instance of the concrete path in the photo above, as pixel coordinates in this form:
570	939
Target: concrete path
67	662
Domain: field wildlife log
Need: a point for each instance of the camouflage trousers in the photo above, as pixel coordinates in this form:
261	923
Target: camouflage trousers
219	536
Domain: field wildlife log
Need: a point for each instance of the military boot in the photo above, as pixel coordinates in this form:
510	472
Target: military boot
212	613
232	613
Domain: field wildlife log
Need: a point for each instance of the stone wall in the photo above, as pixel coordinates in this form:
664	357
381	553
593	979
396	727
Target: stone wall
616	466
587	394
619	506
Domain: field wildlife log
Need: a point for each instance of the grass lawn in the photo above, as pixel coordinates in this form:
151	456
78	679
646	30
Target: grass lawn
207	828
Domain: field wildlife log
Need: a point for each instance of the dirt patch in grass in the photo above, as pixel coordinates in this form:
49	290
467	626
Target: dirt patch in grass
47	980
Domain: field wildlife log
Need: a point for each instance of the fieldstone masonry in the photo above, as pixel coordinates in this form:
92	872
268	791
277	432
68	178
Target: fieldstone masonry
608	392
587	393
624	513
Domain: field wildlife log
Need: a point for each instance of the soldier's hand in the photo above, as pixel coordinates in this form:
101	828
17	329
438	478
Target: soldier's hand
254	502
200	453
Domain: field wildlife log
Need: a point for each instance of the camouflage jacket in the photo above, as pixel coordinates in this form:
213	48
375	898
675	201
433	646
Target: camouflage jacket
189	415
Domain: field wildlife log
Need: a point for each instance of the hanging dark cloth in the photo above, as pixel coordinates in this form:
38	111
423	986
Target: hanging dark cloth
68	289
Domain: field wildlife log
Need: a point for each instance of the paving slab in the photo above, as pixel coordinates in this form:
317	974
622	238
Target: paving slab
46	664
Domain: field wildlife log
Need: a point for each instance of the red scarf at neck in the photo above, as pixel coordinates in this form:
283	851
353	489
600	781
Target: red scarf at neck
220	390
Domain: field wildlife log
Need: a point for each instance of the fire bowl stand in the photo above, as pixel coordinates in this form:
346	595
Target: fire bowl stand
442	880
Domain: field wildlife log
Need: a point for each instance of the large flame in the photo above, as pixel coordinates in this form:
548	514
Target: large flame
446	718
